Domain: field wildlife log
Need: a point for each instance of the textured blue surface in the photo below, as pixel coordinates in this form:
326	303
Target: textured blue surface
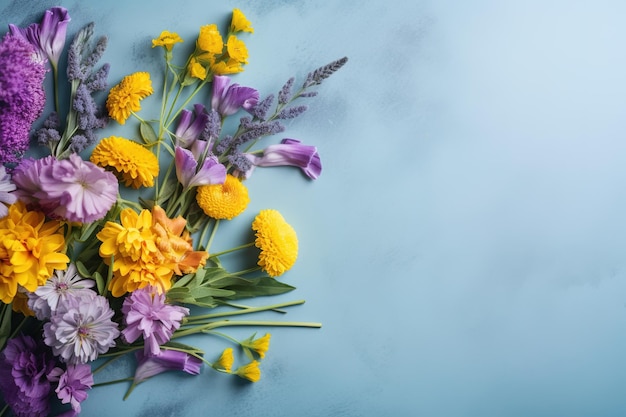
464	246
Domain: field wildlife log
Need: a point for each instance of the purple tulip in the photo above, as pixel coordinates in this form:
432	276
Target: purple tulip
189	130
188	174
292	153
228	98
167	360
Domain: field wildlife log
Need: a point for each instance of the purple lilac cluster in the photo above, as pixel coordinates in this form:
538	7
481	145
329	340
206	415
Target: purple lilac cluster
22	97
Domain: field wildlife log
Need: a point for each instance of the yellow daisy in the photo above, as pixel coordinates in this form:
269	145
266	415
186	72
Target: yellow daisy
223	201
167	40
128	160
125	97
240	23
277	240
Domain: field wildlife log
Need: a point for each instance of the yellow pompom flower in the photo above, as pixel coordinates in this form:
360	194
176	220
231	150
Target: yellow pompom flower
240	23
31	248
223	201
225	361
251	371
210	39
125	97
277	240
167	40
260	345
147	248
128	160
237	49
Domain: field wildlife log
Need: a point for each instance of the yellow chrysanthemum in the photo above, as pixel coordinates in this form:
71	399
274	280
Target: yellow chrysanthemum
240	23
167	40
31	248
237	49
223	201
197	70
260	345
128	160
225	361
125	97
210	39
251	371
277	240
147	248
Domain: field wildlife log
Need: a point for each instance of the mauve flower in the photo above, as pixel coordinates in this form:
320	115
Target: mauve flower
289	152
81	329
188	174
6	191
189	130
21	94
166	360
48	36
73	384
58	289
24	369
228	98
146	314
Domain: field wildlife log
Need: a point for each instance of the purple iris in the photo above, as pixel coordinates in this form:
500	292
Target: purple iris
166	360
190	127
188	174
228	98
290	152
48	36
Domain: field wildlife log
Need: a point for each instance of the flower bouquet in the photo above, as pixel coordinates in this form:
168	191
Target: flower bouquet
105	242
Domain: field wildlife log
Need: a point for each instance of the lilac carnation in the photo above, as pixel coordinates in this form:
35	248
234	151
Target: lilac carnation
73	384
24	369
146	314
166	360
81	329
21	94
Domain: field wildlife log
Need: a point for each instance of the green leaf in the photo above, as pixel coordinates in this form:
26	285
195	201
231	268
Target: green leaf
202	292
5	324
258	287
82	269
148	134
99	282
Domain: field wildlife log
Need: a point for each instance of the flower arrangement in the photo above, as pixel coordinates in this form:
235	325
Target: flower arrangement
105	242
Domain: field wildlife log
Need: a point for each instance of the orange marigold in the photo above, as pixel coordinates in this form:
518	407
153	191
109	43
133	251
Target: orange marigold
128	160
125	97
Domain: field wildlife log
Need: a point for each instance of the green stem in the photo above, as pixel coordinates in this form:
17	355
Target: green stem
247	271
244	311
212	236
116	381
224	323
247	245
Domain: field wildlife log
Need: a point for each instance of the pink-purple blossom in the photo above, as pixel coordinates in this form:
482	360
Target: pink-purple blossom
70	189
147	315
21	94
166	360
24	369
188	173
191	125
48	36
289	152
228	98
73	384
6	191
81	329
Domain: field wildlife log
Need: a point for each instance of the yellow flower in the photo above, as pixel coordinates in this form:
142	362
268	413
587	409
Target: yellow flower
31	248
20	304
237	49
147	249
128	160
225	361
167	40
226	67
196	69
260	345
277	240
125	97
210	39
223	201
240	23
251	371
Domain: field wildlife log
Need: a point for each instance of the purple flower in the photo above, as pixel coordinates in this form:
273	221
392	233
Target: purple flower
166	360
81	329
73	384
6	191
57	290
188	174
48	36
228	98
24	369
187	130
70	189
146	314
290	152
21	94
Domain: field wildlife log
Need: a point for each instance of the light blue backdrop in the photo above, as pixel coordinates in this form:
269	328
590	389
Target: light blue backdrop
464	246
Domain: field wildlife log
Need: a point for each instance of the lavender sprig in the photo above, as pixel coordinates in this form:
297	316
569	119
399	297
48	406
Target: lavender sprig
316	77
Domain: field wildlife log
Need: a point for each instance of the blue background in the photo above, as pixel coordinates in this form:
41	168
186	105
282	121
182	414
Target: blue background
464	246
